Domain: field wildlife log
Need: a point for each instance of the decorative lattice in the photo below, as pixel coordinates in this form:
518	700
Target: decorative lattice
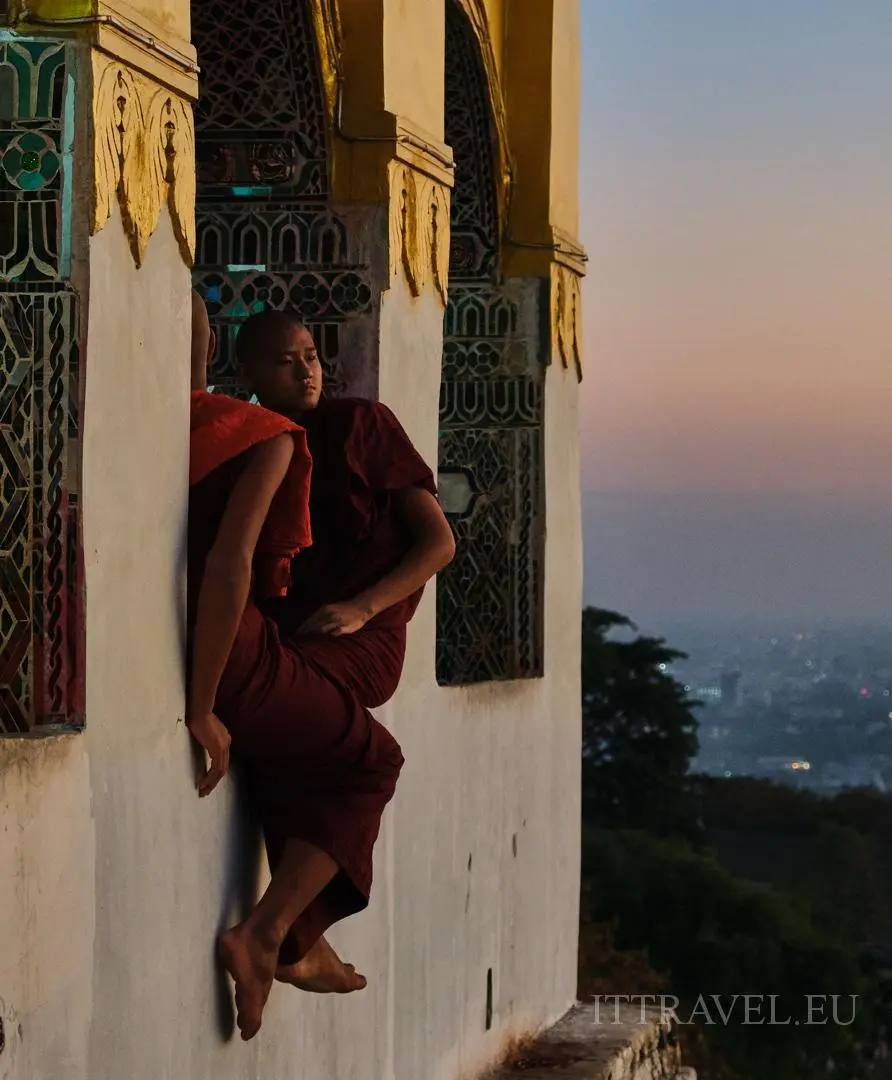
491	398
267	236
473	254
40	627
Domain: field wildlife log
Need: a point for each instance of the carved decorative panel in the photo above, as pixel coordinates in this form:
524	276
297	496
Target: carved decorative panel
267	236
40	578
144	156
491	399
469	131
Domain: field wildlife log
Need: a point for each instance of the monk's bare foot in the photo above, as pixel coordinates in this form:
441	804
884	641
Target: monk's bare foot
252	965
322	971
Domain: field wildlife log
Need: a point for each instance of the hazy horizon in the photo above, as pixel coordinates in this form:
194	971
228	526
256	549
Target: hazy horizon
735	196
670	558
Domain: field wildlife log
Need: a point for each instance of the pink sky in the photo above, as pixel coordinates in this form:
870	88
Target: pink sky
739	300
736	204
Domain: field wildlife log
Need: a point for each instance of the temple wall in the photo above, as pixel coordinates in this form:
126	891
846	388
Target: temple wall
485	828
114	876
413	48
564	165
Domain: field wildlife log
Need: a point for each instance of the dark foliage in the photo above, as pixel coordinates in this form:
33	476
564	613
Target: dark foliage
638	730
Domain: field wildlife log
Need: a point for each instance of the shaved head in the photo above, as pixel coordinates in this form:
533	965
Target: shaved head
280	362
204	342
263	331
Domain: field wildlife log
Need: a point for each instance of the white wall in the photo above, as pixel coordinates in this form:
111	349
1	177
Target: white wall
484	765
115	876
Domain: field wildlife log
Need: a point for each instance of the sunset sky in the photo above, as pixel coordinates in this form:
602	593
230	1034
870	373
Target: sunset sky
736	203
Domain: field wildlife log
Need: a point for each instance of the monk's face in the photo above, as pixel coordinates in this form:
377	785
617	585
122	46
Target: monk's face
286	375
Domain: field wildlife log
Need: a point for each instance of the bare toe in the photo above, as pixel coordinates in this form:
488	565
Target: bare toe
252	968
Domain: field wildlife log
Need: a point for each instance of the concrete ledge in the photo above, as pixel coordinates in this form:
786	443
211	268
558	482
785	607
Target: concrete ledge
599	1044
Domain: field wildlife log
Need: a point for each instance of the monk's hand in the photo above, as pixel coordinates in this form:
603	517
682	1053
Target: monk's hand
336	619
211	734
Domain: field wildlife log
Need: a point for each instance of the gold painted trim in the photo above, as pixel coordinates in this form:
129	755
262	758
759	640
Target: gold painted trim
569	252
424	153
326	20
478	17
566	317
419	230
119	29
366	161
144	155
183	82
534	258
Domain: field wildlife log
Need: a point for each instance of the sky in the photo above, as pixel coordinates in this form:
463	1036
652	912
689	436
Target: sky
736	205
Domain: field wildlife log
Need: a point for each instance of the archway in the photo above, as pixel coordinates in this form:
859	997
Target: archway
489	620
267	233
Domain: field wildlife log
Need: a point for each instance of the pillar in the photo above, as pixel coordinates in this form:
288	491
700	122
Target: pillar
96	290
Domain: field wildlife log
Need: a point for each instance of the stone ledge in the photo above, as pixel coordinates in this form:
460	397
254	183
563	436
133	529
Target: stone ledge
621	1044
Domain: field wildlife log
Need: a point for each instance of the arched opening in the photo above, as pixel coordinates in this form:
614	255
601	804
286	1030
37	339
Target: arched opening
267	233
489	616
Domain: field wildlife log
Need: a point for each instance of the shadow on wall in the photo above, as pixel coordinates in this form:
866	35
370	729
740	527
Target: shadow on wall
10	1037
241	881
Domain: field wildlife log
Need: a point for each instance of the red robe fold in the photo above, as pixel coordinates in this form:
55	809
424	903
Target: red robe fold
222	428
319	767
362	458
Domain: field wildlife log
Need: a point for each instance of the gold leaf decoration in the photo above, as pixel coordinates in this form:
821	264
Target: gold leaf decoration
419	230
566	315
138	191
326	18
412	250
108	102
179	151
397	219
144	155
440	234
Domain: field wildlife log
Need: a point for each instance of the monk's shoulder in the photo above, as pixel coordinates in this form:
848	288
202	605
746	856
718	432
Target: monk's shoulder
349	414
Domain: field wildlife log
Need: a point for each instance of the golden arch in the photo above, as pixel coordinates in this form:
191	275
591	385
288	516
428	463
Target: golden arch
326	18
329	19
478	17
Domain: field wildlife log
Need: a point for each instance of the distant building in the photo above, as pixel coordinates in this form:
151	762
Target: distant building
730	687
816	712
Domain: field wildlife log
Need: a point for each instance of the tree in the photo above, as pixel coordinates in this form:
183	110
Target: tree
713	934
638	730
843	886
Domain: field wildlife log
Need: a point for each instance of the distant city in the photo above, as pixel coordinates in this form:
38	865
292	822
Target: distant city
810	707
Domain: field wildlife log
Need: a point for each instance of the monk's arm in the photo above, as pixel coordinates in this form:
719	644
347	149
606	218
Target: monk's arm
226	585
433	547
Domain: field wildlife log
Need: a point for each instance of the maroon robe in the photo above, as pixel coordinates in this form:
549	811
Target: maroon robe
320	768
361	457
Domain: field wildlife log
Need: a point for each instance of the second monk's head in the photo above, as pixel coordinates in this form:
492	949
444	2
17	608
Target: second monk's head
280	362
204	342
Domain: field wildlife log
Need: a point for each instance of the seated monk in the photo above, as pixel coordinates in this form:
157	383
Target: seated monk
380	533
322	769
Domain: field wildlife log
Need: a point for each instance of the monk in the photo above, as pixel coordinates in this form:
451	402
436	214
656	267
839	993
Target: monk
322	769
380	533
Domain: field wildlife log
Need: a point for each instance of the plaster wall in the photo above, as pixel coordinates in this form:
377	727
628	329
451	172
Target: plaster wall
414	55
496	13
116	876
486	821
564	208
172	16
